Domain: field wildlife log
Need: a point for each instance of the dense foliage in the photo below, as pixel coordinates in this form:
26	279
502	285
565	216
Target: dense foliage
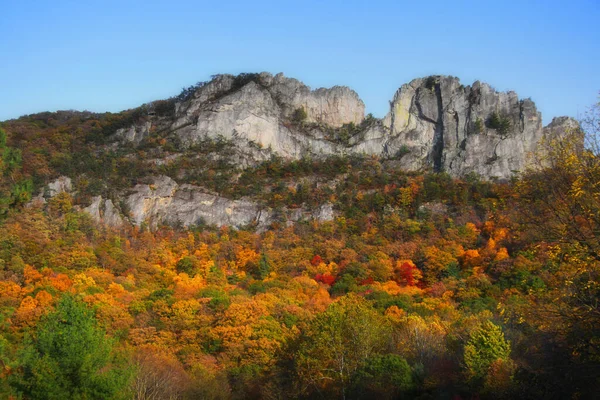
68	357
423	286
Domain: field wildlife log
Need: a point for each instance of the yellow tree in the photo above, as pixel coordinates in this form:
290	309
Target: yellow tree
558	202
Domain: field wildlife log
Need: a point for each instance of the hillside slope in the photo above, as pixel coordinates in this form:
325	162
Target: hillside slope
201	157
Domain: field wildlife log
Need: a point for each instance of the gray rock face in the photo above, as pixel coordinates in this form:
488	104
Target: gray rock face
134	134
166	202
434	123
60	185
262	110
101	210
104	211
437	123
334	107
559	127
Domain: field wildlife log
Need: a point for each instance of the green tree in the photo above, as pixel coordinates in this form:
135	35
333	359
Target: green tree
264	267
383	377
187	264
21	192
14	190
499	122
337	343
4	365
299	116
69	357
10	157
485	347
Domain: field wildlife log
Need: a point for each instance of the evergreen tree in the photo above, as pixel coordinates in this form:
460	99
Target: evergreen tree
69	357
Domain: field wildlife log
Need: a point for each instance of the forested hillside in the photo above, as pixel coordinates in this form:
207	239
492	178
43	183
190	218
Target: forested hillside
420	286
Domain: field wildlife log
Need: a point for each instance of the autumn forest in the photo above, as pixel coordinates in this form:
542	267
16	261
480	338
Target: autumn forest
423	286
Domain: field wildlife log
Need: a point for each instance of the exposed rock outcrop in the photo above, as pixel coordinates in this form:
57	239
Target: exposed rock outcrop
134	134
437	123
442	125
166	202
263	111
434	123
104	211
559	126
60	185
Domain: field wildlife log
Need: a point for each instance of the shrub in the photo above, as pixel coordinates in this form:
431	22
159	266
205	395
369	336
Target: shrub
299	116
430	82
165	108
243	79
383	376
187	265
478	126
187	93
402	151
499	122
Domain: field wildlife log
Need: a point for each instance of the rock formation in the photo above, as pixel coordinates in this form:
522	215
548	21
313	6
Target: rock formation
164	201
104	211
445	126
262	111
434	123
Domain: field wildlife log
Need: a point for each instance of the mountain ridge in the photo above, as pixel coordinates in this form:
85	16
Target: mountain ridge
487	132
206	156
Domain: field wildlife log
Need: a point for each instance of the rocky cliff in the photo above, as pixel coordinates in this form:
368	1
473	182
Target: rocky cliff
165	202
433	124
444	125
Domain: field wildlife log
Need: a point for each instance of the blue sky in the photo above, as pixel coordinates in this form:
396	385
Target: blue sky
113	55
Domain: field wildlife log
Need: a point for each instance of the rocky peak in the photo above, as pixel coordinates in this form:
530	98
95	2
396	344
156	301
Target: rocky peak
560	126
334	106
198	154
434	123
440	124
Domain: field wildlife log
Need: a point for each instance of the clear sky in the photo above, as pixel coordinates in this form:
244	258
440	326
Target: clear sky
113	55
